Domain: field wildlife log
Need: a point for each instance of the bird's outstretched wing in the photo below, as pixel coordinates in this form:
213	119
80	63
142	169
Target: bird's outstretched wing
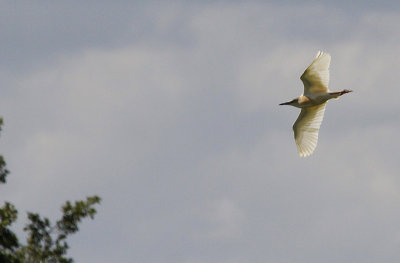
316	77
306	129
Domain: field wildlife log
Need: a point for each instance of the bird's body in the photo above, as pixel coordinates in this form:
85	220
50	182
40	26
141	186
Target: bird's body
304	101
312	103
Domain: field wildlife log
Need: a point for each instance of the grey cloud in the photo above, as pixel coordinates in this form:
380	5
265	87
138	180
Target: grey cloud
185	142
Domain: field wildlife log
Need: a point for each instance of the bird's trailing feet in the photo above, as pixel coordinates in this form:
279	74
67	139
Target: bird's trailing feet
339	93
344	91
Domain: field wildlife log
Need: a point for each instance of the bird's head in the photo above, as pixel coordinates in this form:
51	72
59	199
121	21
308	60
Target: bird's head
293	102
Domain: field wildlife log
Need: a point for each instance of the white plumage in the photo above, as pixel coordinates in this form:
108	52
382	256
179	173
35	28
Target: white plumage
306	129
316	77
312	103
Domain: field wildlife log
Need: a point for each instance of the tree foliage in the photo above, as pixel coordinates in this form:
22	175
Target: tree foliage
46	242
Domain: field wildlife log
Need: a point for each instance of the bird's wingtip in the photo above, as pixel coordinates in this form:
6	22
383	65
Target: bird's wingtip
321	53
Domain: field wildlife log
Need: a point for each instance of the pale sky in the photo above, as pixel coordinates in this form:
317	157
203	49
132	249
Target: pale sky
169	112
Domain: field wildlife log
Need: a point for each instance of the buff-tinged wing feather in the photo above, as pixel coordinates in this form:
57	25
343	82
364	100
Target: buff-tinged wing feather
306	129
316	77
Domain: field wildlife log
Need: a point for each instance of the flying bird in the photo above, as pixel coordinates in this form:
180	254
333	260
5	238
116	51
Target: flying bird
312	103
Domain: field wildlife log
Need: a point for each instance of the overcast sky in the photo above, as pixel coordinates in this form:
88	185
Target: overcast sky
169	112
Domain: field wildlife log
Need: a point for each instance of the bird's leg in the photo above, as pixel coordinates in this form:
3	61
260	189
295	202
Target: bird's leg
340	93
344	91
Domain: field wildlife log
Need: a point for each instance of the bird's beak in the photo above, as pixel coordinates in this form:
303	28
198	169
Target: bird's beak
286	103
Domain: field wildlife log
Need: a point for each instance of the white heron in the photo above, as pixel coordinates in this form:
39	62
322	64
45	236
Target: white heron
312	103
